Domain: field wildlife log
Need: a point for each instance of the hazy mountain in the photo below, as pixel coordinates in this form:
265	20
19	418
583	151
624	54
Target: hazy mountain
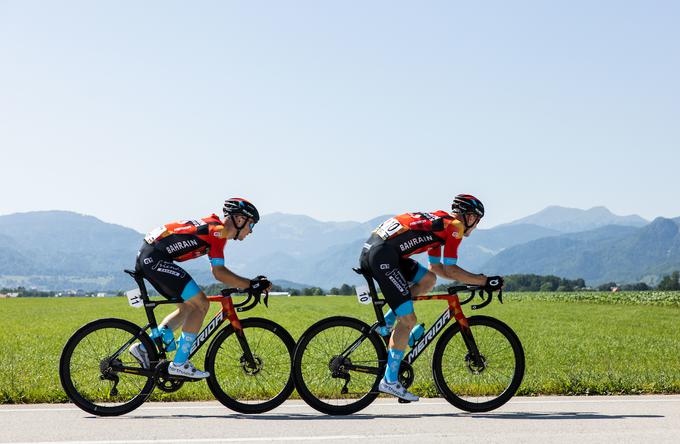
611	253
570	220
62	249
65	250
482	245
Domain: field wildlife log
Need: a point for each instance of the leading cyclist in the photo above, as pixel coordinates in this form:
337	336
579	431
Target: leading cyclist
181	241
386	257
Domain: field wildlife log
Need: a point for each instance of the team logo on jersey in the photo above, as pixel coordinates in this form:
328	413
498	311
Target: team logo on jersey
415	242
181	245
455	234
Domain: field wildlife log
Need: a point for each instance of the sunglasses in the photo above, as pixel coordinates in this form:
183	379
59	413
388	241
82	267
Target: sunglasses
251	226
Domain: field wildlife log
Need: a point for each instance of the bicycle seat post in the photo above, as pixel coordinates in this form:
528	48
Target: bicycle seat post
149	307
377	302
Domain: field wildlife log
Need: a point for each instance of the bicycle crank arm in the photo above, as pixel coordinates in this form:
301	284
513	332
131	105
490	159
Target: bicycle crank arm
364	369
134	370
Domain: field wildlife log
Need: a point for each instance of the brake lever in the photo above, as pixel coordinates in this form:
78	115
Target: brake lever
469	298
486	302
266	299
500	295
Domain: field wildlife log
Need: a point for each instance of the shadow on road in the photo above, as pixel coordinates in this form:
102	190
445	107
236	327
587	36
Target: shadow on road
360	416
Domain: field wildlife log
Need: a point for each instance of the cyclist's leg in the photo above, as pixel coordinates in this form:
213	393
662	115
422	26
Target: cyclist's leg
384	265
420	279
196	306
173	282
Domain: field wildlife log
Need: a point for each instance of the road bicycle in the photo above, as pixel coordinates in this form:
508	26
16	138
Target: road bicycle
477	365
249	360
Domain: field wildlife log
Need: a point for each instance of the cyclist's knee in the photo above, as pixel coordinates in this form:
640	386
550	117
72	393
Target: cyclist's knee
427	282
409	321
203	303
197	304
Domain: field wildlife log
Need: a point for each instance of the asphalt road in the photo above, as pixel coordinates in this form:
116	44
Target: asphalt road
618	419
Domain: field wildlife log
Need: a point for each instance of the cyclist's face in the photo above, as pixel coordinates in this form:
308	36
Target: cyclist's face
471	220
247	228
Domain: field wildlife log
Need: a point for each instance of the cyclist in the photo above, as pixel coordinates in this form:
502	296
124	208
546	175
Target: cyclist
386	257
180	241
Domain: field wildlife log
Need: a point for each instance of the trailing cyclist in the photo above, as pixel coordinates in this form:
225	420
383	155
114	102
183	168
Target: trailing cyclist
386	257
181	241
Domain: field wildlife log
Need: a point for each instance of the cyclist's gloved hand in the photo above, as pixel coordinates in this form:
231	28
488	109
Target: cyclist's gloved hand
493	283
260	284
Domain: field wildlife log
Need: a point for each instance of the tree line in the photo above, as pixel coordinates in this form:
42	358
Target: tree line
513	282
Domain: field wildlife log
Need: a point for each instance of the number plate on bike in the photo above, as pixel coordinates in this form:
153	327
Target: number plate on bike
363	294
135	298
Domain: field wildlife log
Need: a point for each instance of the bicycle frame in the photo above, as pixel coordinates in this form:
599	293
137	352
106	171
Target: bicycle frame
454	310
228	312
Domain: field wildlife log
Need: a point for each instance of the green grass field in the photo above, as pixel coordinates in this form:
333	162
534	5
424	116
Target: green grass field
575	343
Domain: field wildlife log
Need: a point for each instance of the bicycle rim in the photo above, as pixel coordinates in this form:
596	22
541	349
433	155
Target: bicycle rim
320	371
86	374
479	387
246	388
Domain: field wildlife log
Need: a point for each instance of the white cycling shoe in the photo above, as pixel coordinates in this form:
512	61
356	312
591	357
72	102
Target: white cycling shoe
138	352
187	370
396	389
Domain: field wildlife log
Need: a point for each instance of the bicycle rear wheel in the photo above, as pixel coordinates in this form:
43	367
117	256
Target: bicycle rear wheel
483	386
87	368
242	387
332	379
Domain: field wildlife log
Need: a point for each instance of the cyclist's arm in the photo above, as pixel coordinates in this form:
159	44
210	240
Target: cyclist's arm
229	278
455	273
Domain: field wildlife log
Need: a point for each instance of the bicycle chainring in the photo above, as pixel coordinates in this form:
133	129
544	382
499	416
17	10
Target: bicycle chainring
169	385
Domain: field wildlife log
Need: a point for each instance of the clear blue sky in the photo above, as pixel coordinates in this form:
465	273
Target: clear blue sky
144	112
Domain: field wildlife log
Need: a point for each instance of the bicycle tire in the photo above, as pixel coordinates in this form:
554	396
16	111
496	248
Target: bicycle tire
468	388
82	374
315	353
244	389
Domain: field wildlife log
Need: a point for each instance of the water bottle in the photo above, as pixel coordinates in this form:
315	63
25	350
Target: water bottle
416	334
385	330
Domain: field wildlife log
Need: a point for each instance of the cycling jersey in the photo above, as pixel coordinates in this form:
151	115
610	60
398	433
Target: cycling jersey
180	241
413	233
189	239
385	254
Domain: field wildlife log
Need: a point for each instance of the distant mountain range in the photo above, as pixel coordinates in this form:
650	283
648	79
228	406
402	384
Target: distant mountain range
61	250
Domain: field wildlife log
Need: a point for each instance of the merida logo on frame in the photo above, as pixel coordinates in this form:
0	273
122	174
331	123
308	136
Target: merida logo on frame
430	335
207	331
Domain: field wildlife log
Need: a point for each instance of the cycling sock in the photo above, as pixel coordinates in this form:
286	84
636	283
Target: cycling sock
390	317
393	362
416	334
185	343
168	338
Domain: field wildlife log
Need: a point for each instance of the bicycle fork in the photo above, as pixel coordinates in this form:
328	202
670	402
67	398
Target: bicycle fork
474	357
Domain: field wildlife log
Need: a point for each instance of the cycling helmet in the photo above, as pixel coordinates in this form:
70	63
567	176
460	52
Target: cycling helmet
467	204
236	205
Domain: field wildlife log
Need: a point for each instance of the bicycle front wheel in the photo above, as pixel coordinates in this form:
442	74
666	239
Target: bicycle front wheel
484	385
257	386
338	365
89	365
